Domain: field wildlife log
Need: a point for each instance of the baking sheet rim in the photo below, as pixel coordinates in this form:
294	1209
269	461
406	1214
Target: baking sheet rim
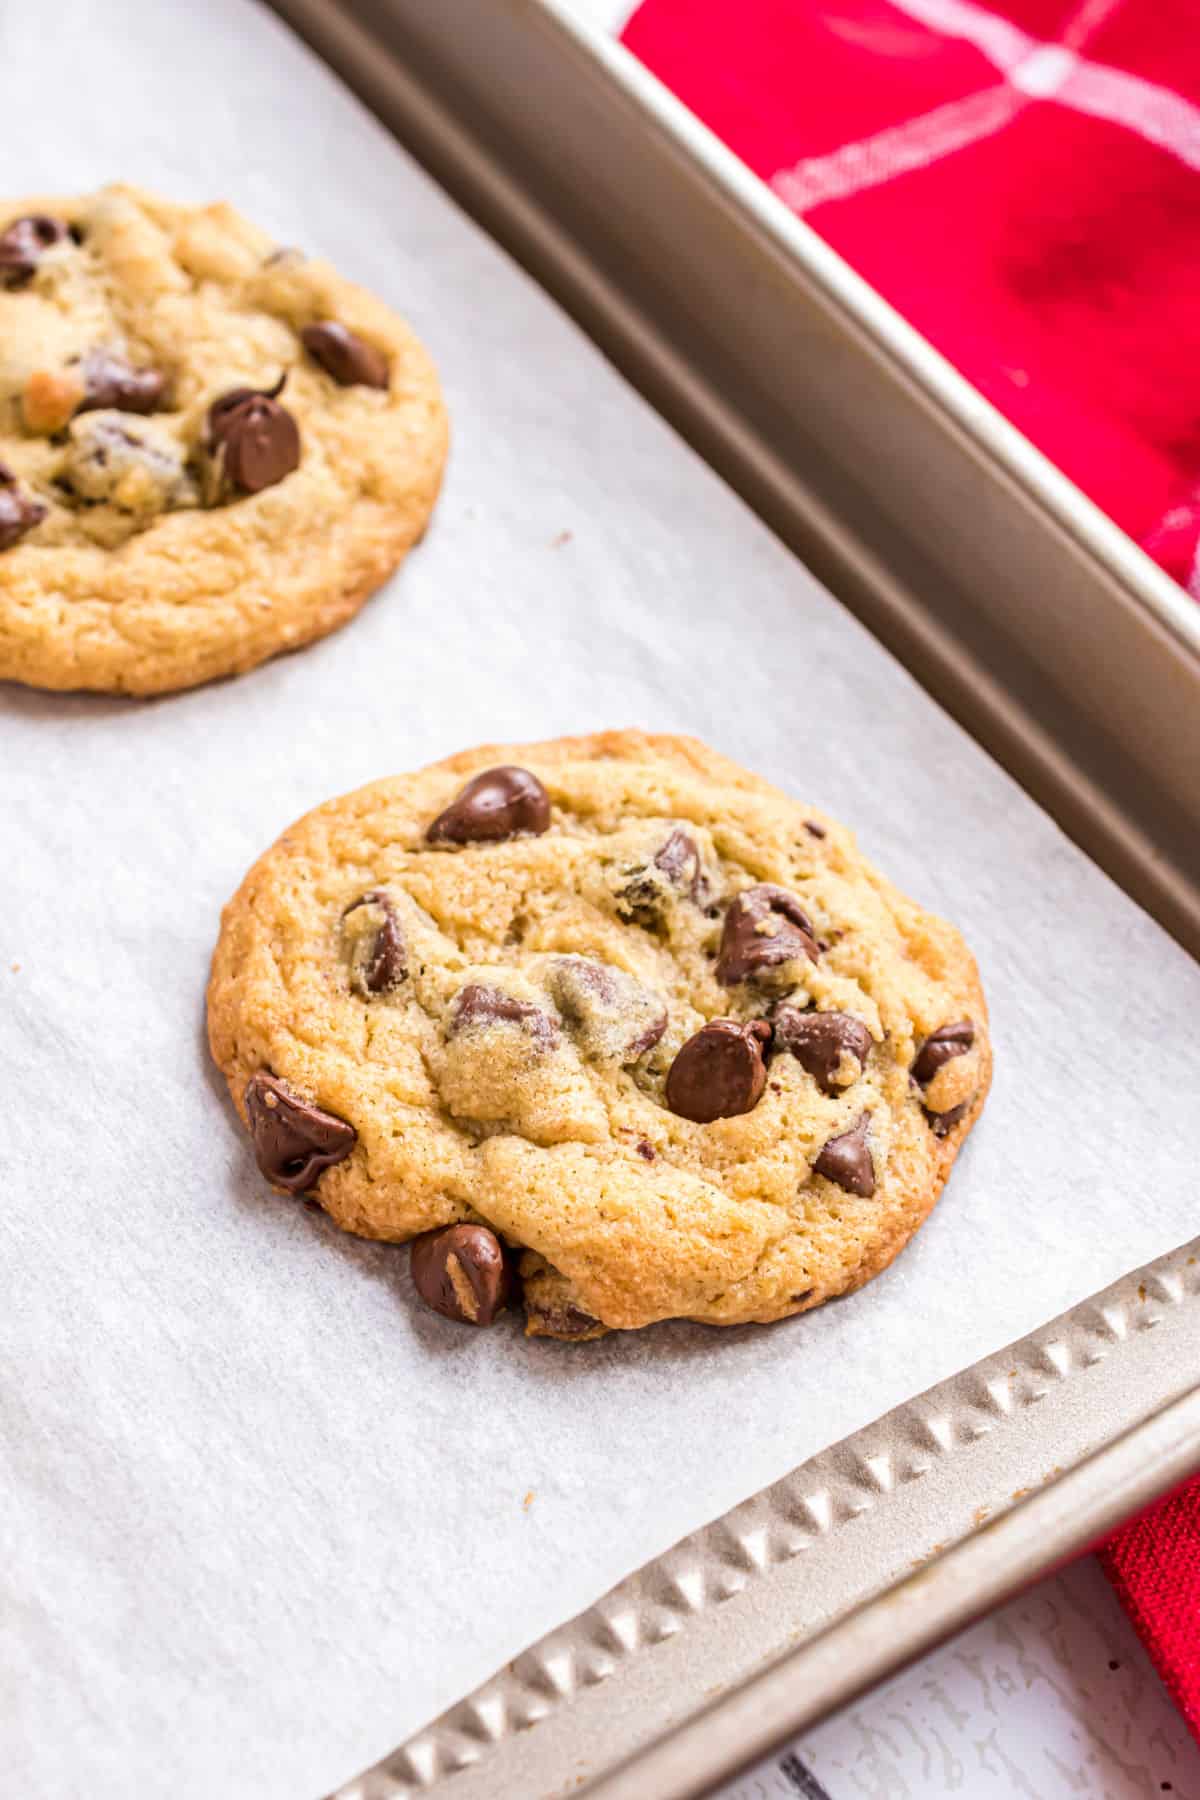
528	1691
812	1506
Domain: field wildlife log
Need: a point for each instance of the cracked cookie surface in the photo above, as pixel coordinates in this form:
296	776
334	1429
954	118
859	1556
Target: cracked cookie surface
211	449
656	1029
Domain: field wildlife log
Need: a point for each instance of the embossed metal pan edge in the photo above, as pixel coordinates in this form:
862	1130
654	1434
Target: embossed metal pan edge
756	1625
1062	649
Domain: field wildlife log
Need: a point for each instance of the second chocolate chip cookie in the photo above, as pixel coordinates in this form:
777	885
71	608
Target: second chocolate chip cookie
609	1023
211	449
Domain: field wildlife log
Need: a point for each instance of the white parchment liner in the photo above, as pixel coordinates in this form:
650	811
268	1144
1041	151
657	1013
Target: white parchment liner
262	1516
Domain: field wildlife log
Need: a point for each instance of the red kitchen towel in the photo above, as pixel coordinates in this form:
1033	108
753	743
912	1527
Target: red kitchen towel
1022	181
1154	1564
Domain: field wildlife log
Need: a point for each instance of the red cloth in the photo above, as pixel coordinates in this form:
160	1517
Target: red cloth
1154	1564
1022	181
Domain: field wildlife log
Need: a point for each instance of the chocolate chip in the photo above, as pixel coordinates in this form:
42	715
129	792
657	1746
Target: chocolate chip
293	1141
344	355
942	1124
720	1071
256	441
476	1008
109	381
496	804
820	1041
813	829
645	1150
567	1322
552	1305
610	1014
23	245
940	1047
764	926
461	1272
679	860
378	958
19	511
646	886
225	405
846	1160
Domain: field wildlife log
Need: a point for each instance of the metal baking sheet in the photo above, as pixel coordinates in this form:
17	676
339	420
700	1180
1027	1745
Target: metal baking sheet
1006	592
254	1534
791	1604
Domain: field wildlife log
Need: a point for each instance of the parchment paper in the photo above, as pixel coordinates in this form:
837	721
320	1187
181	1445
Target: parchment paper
263	1516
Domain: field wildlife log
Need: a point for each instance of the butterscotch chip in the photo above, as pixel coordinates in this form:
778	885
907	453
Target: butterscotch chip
607	1008
51	399
210	492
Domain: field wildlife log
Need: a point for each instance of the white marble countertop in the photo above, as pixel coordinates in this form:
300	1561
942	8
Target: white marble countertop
1051	1696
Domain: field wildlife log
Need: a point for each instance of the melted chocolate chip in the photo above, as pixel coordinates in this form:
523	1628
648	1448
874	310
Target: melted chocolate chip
610	1013
814	830
940	1047
476	1008
378	957
820	1041
846	1160
225	405
942	1124
494	805
344	355
645	1150
110	382
256	439
647	886
461	1272
561	1322
19	511
679	860
293	1141
764	926
720	1071
23	245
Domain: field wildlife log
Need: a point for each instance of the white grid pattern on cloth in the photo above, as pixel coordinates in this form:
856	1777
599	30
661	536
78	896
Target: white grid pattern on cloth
898	150
1033	70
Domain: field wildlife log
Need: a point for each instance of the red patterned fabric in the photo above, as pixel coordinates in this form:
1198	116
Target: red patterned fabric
1022	181
1154	1564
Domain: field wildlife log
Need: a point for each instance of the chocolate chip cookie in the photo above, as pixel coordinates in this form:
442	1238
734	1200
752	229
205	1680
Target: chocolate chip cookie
211	449
607	1023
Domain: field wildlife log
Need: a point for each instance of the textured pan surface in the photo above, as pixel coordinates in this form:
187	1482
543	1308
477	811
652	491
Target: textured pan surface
730	1598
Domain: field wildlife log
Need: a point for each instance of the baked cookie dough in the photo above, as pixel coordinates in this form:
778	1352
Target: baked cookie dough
608	1023
211	449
